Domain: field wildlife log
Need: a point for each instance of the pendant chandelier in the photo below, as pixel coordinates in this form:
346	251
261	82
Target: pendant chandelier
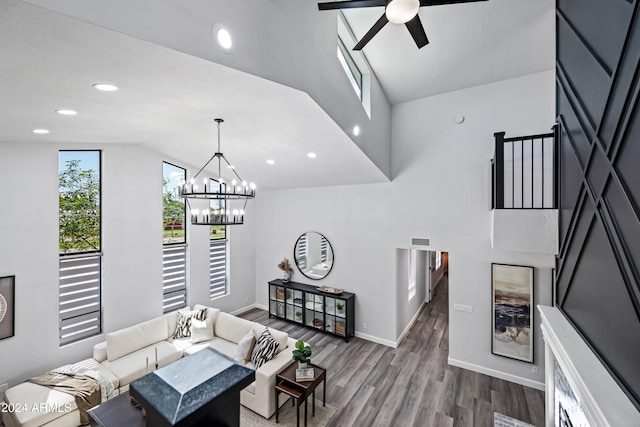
224	192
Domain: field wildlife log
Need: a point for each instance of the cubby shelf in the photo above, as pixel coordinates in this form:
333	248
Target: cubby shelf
333	314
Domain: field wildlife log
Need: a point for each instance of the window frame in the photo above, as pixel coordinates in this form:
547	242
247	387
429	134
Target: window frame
71	257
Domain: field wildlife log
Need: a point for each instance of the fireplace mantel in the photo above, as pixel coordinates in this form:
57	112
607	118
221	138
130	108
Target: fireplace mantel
602	400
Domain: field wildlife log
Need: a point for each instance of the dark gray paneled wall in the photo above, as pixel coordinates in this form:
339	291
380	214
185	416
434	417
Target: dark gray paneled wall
597	76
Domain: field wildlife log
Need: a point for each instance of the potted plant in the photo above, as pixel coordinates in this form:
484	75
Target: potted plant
302	354
340	307
286	270
298	315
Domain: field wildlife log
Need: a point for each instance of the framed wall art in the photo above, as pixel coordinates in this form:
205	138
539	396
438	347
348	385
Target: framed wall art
7	305
512	299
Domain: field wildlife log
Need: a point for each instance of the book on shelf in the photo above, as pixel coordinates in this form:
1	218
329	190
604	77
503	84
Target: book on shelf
306	374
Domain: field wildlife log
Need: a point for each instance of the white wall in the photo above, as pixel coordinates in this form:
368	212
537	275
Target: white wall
440	190
406	310
132	247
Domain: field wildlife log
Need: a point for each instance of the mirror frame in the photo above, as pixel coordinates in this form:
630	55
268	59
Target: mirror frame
295	255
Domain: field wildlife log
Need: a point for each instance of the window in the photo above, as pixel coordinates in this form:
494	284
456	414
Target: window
350	68
217	251
302	252
80	265
174	251
354	63
412	274
324	244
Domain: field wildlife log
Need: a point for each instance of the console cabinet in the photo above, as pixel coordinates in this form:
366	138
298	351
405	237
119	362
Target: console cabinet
306	305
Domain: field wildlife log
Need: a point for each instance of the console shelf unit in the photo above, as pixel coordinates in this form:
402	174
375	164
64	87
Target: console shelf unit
319	310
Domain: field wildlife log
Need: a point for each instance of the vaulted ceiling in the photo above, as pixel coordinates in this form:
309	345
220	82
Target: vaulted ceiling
174	81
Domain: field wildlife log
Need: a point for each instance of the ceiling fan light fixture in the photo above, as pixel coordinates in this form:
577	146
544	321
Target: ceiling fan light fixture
402	11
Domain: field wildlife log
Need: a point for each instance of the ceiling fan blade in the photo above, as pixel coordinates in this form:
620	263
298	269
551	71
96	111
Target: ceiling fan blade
441	2
417	32
372	32
350	4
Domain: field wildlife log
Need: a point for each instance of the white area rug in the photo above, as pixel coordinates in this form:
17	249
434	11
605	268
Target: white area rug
501	420
287	417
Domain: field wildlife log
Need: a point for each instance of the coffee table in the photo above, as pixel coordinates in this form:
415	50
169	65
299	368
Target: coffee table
299	391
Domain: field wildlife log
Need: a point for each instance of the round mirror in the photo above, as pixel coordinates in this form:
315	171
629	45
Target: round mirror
313	255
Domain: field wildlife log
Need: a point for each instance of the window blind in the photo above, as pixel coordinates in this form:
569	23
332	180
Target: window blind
324	244
174	277
79	297
302	252
217	268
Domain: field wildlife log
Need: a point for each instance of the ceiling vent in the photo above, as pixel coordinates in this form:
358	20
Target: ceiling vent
415	241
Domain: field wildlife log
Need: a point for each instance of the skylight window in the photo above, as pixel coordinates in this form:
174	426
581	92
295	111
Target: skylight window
354	64
350	68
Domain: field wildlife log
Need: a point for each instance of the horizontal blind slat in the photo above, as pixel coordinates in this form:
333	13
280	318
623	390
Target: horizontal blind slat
217	268
79	301
174	278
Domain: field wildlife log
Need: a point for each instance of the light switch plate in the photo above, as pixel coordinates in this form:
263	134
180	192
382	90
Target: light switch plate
463	307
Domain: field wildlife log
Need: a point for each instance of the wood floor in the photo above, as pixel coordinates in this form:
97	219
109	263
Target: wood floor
374	385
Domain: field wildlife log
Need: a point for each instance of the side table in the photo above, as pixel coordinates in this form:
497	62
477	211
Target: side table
299	391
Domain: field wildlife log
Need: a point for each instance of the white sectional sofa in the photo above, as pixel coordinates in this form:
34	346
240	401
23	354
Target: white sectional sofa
130	353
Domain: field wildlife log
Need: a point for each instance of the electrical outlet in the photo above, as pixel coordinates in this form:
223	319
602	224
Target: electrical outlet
534	369
364	325
246	300
463	307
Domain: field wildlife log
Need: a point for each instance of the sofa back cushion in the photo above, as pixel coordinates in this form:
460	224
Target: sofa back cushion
127	340
172	322
232	328
280	337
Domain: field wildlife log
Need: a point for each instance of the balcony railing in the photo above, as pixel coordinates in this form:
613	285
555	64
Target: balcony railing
525	171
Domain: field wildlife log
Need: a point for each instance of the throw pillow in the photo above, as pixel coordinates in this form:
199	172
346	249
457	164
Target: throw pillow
183	327
265	349
245	348
201	330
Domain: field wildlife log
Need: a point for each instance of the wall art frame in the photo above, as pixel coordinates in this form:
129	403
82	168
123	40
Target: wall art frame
7	306
512	311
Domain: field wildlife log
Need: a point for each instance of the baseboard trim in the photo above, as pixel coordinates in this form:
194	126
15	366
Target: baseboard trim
261	306
376	339
497	374
410	324
245	309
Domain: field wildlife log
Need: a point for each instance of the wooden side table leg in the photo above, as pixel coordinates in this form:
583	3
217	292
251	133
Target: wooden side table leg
305	412
277	406
313	403
324	392
298	413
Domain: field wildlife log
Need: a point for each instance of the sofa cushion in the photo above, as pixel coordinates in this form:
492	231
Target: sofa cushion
279	336
128	340
212	313
265	349
183	328
245	348
50	404
232	328
134	365
201	330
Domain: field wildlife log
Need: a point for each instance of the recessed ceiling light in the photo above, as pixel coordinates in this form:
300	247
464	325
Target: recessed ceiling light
356	130
41	131
311	155
270	162
459	119
66	112
105	87
222	36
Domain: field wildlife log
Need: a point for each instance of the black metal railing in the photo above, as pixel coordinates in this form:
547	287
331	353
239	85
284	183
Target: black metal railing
524	171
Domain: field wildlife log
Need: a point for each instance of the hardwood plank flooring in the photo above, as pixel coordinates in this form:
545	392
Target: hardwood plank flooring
412	385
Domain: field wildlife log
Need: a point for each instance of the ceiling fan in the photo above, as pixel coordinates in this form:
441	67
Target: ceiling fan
397	12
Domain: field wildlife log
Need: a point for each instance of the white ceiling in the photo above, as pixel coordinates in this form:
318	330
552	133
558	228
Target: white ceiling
168	99
470	44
